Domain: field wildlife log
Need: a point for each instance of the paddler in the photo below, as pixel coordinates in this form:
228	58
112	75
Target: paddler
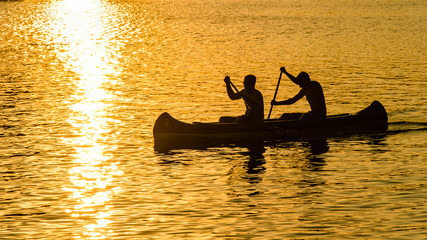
313	92
253	100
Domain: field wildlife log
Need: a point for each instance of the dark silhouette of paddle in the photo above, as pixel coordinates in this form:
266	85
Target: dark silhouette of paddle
234	86
275	94
246	103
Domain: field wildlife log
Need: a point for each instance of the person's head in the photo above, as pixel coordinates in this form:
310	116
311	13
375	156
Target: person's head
302	79
249	82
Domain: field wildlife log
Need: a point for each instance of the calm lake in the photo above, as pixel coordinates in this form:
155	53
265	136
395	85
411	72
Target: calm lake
83	81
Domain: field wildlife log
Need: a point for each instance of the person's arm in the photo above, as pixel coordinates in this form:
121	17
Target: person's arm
290	100
290	76
231	94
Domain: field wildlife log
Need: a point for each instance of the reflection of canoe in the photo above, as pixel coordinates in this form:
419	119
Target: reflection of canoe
171	133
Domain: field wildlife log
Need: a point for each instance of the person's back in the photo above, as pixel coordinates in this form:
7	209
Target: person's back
315	97
254	104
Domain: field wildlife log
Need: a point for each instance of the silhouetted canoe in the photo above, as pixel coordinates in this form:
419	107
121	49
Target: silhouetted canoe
170	133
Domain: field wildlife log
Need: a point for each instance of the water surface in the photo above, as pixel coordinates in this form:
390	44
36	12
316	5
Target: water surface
82	83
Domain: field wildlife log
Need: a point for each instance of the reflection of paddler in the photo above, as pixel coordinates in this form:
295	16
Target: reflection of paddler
313	92
253	100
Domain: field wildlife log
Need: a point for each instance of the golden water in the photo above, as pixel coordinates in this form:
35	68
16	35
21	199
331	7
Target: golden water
82	82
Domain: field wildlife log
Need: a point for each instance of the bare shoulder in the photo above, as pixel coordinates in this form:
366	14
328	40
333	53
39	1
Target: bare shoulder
315	84
258	93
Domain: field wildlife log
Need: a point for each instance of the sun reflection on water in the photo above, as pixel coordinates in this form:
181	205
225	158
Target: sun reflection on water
84	40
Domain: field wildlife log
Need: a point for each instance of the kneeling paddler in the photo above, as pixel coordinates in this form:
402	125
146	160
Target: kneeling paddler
253	100
313	92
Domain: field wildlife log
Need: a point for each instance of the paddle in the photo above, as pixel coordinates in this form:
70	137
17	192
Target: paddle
247	104
275	94
234	86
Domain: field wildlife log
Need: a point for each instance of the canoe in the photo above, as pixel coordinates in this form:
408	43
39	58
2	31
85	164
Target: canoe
170	133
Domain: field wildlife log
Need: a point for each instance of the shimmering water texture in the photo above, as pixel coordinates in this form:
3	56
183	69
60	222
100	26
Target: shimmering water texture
82	83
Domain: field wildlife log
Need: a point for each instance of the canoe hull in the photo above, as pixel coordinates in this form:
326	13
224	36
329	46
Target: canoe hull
170	133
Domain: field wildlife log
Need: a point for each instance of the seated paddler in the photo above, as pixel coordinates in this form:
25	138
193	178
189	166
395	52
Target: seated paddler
312	91
253	100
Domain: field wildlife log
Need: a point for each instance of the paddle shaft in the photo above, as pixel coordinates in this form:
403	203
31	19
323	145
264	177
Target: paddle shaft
275	94
234	86
231	83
